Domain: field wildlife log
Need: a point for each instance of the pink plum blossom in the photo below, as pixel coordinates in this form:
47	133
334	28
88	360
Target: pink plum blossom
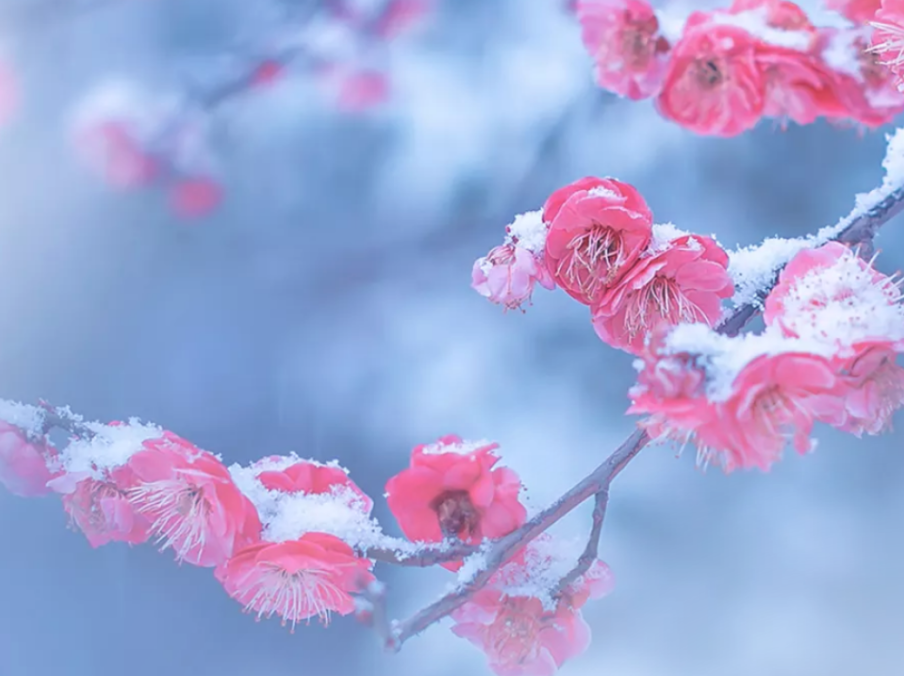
453	489
507	275
629	53
684	282
312	576
191	502
598	228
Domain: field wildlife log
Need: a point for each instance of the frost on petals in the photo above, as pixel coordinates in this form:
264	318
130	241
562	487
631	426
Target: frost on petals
24	462
830	294
312	576
739	400
598	227
453	489
191	501
628	50
684	282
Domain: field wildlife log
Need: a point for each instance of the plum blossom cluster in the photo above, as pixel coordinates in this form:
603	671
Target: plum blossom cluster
834	324
134	140
834	327
720	72
596	240
295	539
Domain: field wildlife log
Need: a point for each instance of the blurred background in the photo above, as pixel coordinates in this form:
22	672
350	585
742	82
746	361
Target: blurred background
325	309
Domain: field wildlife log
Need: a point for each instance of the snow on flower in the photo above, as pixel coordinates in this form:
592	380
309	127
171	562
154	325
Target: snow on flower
831	294
508	273
683	282
628	50
191	501
306	496
107	448
755	267
452	494
518	619
778	24
598	228
313	575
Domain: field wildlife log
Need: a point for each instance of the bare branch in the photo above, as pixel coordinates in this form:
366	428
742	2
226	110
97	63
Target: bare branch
424	556
589	555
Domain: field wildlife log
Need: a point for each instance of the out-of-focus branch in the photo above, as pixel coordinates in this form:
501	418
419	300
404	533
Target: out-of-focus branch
860	229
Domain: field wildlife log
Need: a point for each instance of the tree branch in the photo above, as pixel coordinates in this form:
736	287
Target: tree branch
859	228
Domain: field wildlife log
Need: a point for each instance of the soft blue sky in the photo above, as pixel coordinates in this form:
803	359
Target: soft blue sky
326	310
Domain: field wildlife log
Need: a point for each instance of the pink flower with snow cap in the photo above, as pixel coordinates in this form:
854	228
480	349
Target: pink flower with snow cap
453	489
191	501
830	294
774	398
598	228
671	392
683	282
526	627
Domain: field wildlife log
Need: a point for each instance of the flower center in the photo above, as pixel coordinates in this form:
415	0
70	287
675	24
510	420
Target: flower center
457	515
708	73
661	298
514	636
294	596
596	257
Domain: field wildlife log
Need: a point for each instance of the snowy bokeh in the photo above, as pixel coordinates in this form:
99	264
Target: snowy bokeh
325	309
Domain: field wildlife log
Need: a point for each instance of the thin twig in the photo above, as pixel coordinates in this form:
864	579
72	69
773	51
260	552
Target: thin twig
424	556
861	230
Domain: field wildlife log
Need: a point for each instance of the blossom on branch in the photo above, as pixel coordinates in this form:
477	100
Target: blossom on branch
311	576
193	505
597	228
454	490
833	328
524	627
677	280
628	50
